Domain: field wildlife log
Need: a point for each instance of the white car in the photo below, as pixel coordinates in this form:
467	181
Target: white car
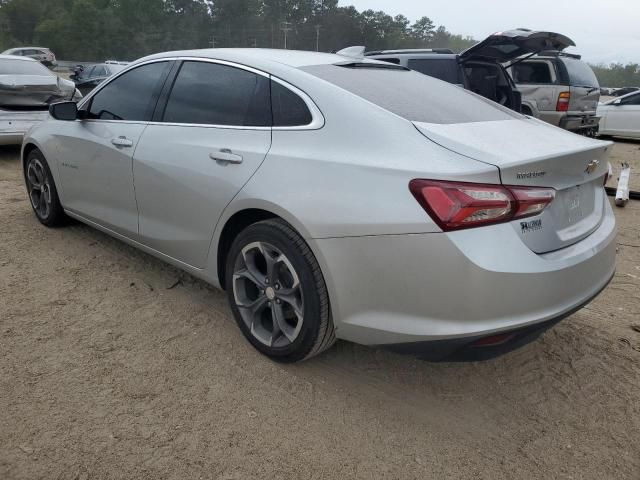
621	116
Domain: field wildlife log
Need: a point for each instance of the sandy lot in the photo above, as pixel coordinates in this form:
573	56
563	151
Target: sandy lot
105	373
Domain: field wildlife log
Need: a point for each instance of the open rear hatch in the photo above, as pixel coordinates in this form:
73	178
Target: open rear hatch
511	44
530	153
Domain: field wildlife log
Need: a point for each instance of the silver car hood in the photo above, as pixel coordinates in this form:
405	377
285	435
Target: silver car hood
33	90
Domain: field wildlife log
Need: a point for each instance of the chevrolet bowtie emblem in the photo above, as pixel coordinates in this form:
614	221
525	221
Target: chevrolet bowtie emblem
591	167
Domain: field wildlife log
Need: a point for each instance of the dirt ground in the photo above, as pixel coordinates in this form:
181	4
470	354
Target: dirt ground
106	372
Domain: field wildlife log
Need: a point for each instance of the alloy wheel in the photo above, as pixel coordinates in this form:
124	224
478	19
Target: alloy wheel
39	188
268	294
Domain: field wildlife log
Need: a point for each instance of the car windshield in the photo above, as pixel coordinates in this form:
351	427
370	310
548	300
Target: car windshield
412	95
580	74
115	68
22	67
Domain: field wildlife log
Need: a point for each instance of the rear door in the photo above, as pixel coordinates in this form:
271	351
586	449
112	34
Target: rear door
537	80
209	135
96	154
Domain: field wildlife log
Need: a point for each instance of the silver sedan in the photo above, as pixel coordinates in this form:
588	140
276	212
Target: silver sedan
335	198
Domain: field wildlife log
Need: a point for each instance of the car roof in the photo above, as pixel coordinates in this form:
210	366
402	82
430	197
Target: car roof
28	48
412	51
14	57
414	54
261	58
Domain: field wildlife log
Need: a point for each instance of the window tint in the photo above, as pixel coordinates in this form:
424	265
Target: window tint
532	72
395	61
214	94
129	97
289	110
580	74
443	69
98	71
631	100
413	96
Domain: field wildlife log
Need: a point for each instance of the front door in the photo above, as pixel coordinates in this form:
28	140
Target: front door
96	153
211	136
624	118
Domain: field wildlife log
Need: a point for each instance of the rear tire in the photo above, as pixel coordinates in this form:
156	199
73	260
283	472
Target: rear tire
42	191
277	292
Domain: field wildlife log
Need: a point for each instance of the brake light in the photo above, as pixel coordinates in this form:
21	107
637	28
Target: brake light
459	205
563	102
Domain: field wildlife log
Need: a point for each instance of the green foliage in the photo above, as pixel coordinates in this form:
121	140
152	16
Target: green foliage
618	75
86	30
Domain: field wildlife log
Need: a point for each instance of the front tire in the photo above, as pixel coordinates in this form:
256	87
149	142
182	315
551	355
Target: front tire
277	293
42	190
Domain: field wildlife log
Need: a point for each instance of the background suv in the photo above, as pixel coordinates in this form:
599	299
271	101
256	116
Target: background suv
41	54
480	67
558	88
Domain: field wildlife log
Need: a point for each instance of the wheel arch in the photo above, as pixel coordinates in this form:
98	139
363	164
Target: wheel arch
245	213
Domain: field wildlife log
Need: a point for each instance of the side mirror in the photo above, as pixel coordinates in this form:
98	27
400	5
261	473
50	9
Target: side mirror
64	111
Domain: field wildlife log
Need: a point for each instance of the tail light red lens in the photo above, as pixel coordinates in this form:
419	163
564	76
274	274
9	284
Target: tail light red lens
563	102
458	205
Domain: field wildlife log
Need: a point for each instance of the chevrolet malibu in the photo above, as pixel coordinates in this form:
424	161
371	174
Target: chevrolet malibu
335	198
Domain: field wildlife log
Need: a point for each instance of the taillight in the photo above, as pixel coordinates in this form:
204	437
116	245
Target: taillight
563	102
458	205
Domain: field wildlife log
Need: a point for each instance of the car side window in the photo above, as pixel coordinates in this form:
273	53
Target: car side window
443	69
631	100
289	110
131	96
98	71
532	72
206	93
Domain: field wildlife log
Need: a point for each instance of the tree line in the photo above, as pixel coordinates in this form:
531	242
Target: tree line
91	30
95	30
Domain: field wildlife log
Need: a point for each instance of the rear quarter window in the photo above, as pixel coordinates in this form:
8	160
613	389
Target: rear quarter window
532	72
412	95
579	73
442	69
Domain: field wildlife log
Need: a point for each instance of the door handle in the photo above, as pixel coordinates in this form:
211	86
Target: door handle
122	142
225	155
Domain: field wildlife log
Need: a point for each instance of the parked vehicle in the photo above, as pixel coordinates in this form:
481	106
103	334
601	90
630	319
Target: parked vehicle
558	88
619	92
335	197
478	68
41	54
89	77
26	90
621	116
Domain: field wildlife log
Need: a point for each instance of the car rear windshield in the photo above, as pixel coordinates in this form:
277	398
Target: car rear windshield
580	74
22	67
443	69
412	95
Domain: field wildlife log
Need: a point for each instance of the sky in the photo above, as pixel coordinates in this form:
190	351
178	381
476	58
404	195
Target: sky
604	31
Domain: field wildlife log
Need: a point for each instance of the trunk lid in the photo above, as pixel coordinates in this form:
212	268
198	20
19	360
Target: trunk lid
33	90
511	44
529	152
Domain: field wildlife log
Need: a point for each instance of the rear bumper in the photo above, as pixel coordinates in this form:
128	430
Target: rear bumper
469	348
14	125
570	121
400	289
